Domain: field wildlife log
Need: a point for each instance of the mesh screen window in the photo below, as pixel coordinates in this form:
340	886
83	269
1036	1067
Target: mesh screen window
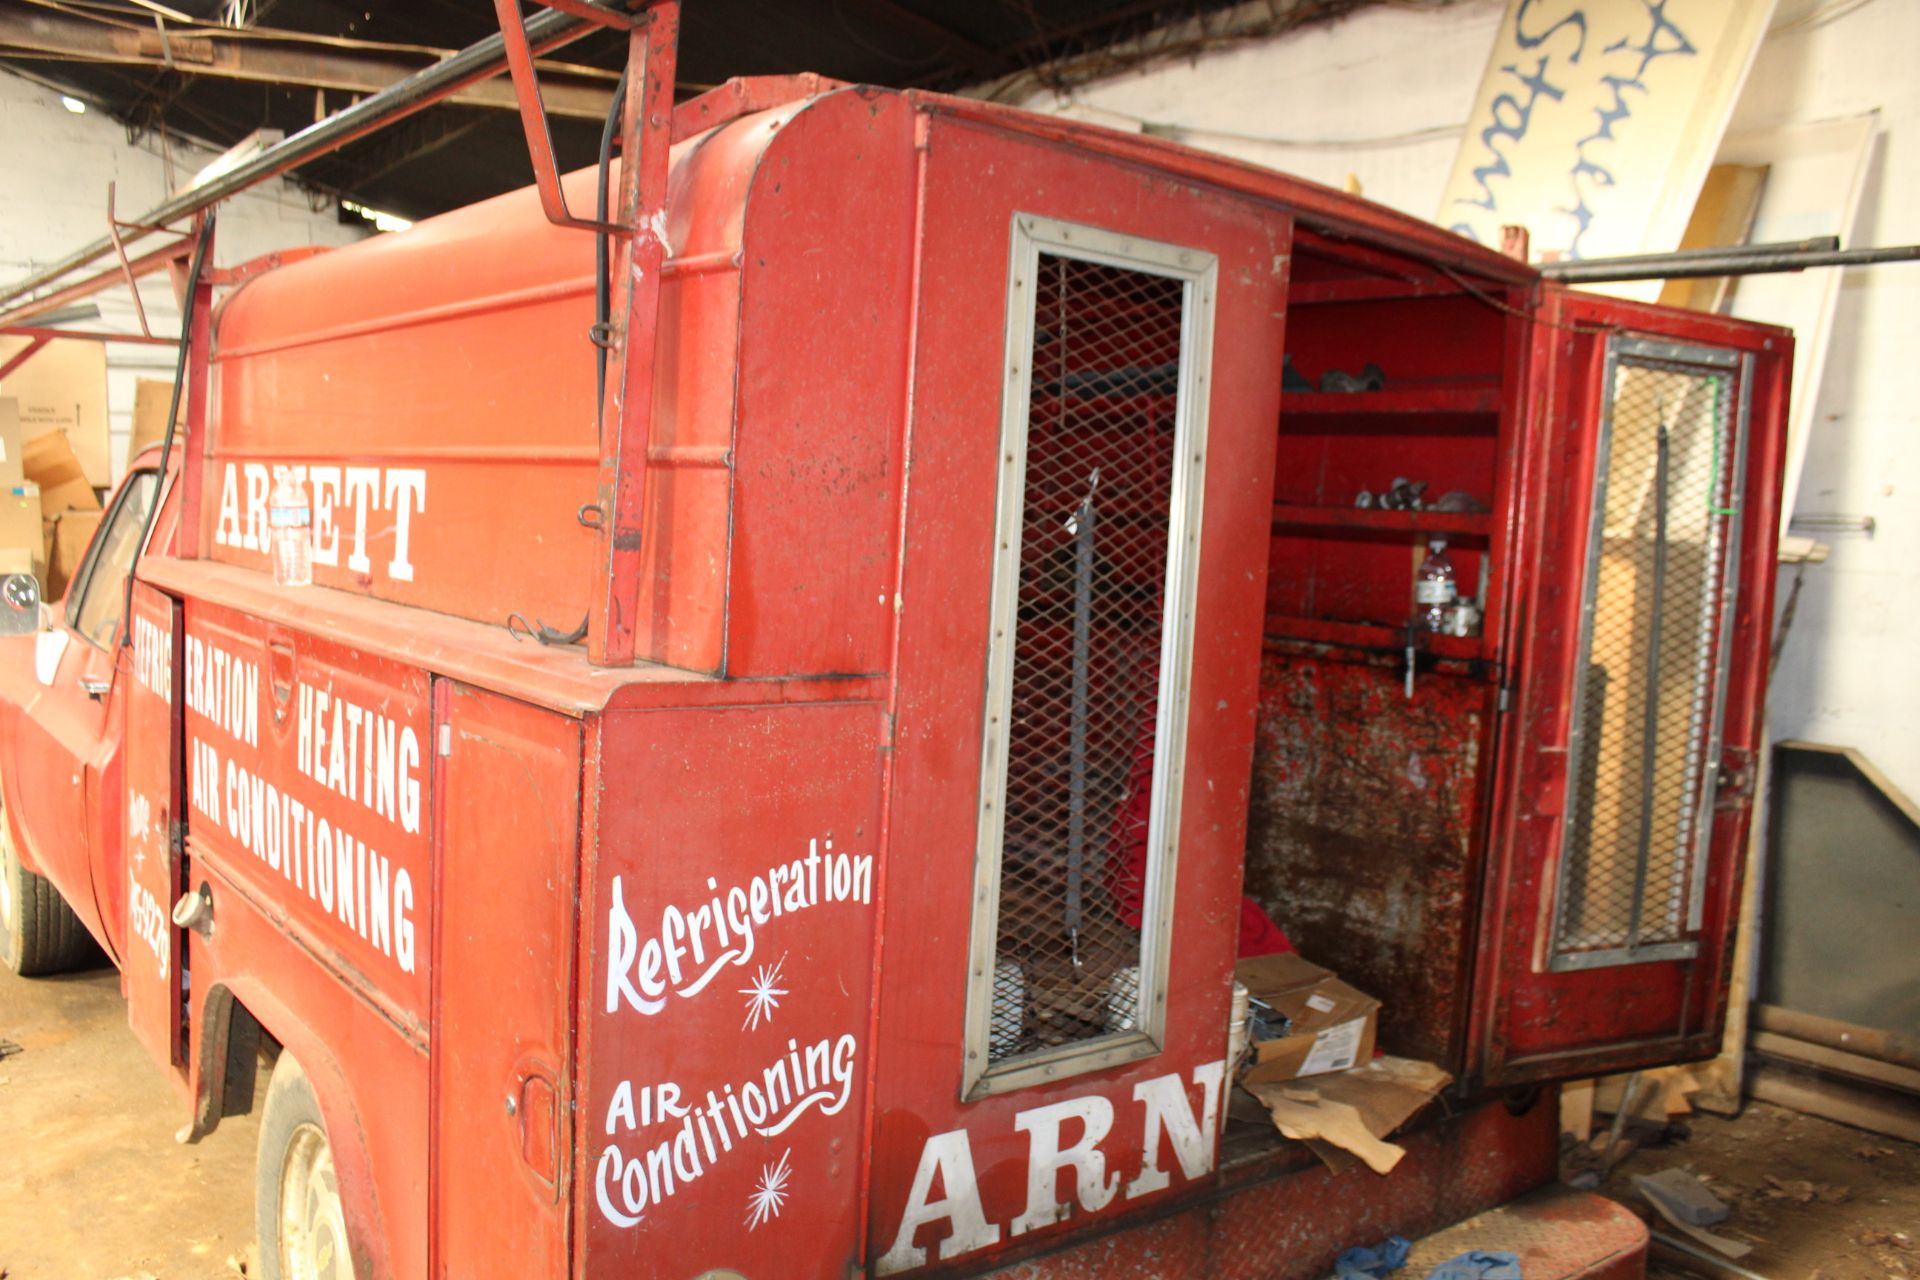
1098	513
1647	706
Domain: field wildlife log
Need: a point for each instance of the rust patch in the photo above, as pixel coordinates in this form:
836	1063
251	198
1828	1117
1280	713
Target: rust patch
1363	833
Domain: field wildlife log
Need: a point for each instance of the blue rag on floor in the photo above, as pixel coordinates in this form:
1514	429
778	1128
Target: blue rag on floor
1360	1263
1478	1264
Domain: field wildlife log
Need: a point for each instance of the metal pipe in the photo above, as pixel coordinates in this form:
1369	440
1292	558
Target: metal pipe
86	335
1748	261
1650	715
546	30
1080	709
1812	244
146	264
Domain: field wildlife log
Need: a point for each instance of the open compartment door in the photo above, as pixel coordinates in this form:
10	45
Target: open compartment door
1644	657
153	950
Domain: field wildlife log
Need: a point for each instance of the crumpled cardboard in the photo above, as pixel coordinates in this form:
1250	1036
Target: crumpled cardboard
1353	1111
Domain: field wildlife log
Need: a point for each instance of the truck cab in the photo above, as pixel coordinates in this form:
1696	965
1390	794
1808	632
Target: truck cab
1006	622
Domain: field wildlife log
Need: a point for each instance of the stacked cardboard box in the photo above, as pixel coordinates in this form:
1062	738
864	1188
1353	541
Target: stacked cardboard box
68	505
1314	1071
48	509
1331	1025
22	549
63	387
151	396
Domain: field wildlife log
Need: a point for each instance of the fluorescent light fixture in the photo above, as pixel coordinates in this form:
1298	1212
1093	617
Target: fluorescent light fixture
381	221
74	105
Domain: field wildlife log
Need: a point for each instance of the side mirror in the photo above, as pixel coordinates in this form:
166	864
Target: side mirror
19	604
48	648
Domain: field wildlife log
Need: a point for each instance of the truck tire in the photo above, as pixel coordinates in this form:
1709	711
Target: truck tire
298	1221
39	934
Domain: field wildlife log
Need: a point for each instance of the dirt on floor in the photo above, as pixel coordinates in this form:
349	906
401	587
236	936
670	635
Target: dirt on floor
1815	1200
92	1184
94	1187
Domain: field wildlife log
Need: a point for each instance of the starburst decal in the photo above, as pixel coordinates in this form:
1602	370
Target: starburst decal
763	997
770	1192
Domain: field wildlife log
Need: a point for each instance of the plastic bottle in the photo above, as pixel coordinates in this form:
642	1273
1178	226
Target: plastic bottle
1435	588
290	517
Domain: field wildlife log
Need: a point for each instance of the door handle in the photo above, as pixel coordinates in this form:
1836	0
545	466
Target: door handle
95	687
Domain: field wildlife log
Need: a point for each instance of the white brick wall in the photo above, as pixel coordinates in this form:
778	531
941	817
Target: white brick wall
53	200
1847	674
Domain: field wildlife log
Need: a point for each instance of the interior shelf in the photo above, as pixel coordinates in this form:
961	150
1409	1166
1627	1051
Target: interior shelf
1457	398
1460	523
1362	635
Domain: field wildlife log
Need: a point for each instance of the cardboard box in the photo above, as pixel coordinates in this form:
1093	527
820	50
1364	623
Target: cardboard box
150	399
63	387
10	472
68	534
50	463
1333	1024
20	524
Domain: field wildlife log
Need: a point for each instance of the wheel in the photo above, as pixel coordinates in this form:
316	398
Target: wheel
301	1229
39	934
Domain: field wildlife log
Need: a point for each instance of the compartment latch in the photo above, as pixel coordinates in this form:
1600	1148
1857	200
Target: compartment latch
1733	785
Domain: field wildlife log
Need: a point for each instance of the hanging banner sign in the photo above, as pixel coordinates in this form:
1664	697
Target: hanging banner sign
1597	121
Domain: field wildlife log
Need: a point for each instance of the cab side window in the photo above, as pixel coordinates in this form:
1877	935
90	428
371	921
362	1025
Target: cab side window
99	595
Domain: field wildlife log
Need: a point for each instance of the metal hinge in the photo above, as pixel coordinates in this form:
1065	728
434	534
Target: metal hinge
177	838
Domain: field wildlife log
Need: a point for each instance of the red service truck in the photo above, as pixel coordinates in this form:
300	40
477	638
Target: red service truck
794	816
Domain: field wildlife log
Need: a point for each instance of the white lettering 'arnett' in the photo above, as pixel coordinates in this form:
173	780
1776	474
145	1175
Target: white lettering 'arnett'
1166	1117
722	930
338	494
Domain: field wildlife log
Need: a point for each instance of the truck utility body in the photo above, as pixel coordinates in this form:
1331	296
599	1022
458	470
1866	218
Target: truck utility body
1004	616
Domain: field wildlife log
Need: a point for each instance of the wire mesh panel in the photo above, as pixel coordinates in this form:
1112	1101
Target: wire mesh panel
1646	715
1095	514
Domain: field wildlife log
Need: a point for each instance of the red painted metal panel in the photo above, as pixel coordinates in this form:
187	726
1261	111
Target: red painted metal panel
371	1081
975	179
822	388
307	780
507	831
1292	1226
1530	1023
727	976
65	778
154	977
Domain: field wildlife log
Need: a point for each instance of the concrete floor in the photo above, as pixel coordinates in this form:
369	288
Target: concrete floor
92	1184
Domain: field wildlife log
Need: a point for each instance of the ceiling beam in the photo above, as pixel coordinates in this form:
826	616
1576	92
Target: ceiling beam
283	58
977	58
